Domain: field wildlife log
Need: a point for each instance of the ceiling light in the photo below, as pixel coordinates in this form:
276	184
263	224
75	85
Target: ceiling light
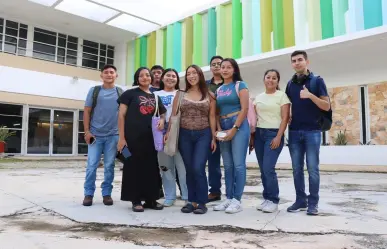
133	24
87	10
44	2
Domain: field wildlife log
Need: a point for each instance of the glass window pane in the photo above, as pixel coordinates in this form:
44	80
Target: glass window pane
71	60
22	43
1	29
38	131
44	56
60	59
81	128
101	65
81	138
72	45
110	54
90	56
11	121
62	42
102	52
21	51
81	116
61	51
111	47
24	26
11	109
10	48
102	46
10	39
82	149
45	31
102	59
73	39
23	33
13	143
90	63
72	52
1	21
90	44
44	48
44	38
63	132
110	61
11	24
62	35
11	31
90	50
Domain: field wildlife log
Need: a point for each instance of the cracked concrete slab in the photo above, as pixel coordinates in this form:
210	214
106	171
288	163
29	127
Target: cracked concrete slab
48	199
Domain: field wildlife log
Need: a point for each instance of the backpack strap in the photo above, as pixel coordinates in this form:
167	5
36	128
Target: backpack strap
237	87
313	84
96	91
119	91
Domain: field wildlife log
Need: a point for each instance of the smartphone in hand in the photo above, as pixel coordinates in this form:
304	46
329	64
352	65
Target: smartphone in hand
125	152
92	140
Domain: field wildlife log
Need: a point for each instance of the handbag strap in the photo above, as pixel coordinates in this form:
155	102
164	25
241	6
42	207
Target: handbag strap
181	96
157	111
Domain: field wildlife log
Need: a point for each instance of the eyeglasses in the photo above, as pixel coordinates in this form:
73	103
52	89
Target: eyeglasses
216	64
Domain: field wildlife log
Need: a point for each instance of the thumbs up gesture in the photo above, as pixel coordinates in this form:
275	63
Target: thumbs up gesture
305	94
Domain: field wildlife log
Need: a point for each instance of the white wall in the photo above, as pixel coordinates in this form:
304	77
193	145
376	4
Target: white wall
43	84
120	63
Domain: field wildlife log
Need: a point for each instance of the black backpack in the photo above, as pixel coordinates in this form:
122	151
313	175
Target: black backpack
325	120
96	91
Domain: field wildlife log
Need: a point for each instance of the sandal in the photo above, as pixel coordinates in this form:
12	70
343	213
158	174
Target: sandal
188	208
137	207
201	209
153	205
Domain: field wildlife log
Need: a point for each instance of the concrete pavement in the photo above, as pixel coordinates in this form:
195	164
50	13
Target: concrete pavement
43	197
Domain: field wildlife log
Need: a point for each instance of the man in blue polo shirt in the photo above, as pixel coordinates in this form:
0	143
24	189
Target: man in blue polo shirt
305	130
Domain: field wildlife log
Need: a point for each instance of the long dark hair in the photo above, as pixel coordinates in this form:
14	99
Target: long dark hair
202	81
137	75
276	72
177	87
237	73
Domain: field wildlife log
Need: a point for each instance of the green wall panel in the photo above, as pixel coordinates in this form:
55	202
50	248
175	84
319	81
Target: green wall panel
314	20
236	29
326	18
170	48
138	54
177	46
372	10
278	24
151	60
228	35
339	8
143	51
266	25
197	39
289	37
164	48
211	34
188	42
160	47
204	39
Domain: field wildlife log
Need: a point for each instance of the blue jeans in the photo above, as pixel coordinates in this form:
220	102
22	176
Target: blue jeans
234	154
214	171
108	146
267	159
194	146
173	164
301	143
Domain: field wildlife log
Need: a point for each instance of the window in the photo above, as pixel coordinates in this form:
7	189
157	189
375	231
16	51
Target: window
82	146
13	37
96	55
11	118
56	47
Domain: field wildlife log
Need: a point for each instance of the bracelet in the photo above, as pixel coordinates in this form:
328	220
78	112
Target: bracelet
87	132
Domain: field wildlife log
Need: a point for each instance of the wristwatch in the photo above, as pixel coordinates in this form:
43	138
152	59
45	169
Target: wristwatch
236	127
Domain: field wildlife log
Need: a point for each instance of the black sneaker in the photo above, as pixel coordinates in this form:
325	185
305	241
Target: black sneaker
201	209
297	207
312	210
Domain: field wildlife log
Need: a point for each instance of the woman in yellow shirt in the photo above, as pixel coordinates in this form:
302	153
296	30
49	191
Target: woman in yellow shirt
272	107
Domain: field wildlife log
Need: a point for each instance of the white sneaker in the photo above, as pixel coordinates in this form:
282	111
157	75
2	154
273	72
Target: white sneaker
270	207
263	204
223	206
235	207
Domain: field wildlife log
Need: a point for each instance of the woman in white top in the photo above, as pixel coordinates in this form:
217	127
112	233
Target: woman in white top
169	86
272	107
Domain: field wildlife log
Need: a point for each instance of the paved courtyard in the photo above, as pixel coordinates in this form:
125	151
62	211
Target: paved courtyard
40	207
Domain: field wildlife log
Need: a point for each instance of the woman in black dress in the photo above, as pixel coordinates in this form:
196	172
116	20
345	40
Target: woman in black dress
141	179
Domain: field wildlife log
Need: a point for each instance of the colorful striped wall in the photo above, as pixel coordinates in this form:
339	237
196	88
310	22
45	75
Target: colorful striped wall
249	27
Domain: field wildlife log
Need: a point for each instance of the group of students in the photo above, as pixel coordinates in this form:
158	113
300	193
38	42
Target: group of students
214	123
